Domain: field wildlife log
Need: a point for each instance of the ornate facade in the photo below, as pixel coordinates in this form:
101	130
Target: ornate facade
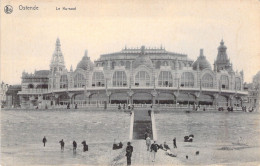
135	75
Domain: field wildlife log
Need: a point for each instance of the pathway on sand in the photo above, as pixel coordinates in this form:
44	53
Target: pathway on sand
142	123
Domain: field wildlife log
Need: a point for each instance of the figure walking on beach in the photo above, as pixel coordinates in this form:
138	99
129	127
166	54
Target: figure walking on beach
74	146
129	151
148	143
174	143
44	140
154	148
62	145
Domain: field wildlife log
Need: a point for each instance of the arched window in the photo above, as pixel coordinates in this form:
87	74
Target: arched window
165	79
119	79
30	86
224	82
113	65
207	81
165	63
238	83
158	64
79	81
122	63
173	65
187	79
103	64
142	78
127	65
98	79
180	65
63	81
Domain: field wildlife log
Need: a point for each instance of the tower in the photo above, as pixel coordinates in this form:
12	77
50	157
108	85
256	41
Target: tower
222	62
57	62
57	66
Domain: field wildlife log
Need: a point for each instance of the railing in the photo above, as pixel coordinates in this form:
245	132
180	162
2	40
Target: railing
40	91
33	91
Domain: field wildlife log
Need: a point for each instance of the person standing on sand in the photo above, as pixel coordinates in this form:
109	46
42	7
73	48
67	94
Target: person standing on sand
174	143
74	146
129	151
62	145
154	148
44	140
148	143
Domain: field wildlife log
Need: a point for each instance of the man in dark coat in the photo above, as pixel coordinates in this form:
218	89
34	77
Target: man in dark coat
174	143
74	146
154	148
62	145
44	140
129	151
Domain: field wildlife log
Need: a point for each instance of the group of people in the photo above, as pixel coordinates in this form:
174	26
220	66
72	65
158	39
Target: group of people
154	147
247	110
76	106
124	106
74	144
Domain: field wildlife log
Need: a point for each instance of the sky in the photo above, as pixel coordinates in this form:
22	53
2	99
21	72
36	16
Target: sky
28	37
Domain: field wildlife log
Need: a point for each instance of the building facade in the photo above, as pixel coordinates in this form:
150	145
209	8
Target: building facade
12	98
3	90
253	98
135	76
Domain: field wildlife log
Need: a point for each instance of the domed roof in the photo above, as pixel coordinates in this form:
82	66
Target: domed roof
143	59
202	62
222	46
85	63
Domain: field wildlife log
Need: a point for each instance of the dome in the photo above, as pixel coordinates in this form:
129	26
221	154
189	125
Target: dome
143	59
202	62
222	46
85	63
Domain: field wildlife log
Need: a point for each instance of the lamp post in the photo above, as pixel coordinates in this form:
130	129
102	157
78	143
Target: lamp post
189	100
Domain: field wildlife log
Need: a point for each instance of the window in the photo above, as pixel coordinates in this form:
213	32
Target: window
173	65
142	78
113	65
158	64
207	81
187	79
63	81
119	79
98	79
30	86
127	65
165	79
224	82
237	83
79	81
165	63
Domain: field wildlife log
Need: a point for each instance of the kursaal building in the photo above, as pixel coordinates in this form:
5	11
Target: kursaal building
135	76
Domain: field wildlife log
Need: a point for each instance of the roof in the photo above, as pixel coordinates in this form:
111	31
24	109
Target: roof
202	62
85	62
143	59
13	89
42	73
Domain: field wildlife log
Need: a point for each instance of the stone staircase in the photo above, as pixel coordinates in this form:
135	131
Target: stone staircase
142	123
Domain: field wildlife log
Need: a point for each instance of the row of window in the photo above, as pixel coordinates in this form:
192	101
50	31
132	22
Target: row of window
157	64
142	79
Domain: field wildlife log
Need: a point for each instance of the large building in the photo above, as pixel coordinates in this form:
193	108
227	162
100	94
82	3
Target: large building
253	99
135	76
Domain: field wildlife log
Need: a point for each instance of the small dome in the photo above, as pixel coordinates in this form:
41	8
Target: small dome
222	46
85	63
202	62
143	59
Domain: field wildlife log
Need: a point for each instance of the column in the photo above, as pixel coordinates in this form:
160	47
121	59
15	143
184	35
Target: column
215	102
70	94
230	101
